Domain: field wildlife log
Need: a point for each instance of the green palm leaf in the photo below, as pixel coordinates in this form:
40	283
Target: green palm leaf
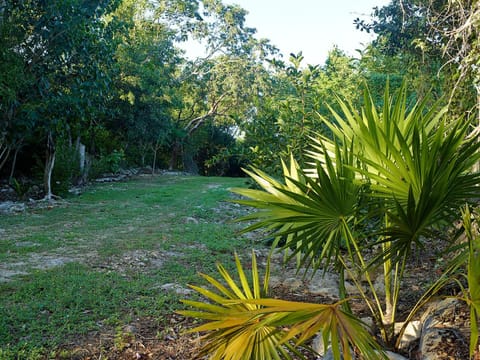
311	211
473	276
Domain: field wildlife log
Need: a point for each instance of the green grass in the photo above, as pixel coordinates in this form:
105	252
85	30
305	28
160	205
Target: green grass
101	259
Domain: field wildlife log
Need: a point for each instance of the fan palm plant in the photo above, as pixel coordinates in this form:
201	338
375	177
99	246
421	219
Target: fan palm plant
388	177
234	330
395	175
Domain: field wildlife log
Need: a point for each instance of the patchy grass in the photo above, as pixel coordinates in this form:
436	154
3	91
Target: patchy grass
100	259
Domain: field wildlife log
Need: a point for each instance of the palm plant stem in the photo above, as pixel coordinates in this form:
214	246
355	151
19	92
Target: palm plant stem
363	265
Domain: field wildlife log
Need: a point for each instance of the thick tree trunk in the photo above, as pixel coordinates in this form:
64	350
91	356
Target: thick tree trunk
176	153
189	164
49	164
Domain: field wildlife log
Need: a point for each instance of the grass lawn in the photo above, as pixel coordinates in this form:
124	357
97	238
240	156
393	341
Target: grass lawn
100	259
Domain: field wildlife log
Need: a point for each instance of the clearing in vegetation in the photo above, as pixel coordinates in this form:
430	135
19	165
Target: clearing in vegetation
117	255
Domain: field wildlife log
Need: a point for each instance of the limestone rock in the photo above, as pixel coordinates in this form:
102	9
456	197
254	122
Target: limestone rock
324	285
10	207
411	334
394	356
176	288
441	339
292	283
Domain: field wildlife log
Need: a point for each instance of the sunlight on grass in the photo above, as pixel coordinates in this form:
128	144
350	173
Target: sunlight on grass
102	258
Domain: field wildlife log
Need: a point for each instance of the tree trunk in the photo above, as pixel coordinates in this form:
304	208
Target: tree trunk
154	164
49	164
176	153
189	164
4	152
81	155
14	161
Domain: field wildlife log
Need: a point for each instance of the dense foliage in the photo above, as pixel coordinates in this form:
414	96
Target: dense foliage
88	87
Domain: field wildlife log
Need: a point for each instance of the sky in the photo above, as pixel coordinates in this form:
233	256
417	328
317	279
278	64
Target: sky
310	26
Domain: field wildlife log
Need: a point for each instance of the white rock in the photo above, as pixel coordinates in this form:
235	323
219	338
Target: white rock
318	344
176	288
191	220
412	332
10	207
394	356
379	285
438	329
353	290
324	285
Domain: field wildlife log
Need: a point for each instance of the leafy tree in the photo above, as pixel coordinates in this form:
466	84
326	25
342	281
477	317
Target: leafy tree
286	115
62	47
146	63
219	88
437	42
222	96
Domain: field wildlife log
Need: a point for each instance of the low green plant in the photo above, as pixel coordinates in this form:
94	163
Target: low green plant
473	275
19	187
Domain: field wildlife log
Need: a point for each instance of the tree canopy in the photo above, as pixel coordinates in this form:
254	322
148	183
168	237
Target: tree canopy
111	77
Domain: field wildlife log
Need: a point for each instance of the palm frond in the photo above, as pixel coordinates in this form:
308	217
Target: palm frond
310	211
234	329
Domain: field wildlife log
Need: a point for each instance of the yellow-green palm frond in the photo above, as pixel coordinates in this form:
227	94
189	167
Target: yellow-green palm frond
233	329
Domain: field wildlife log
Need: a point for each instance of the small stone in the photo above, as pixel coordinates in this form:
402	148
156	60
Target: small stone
394	356
318	345
274	281
331	293
176	288
352	289
191	220
368	321
10	207
292	283
379	285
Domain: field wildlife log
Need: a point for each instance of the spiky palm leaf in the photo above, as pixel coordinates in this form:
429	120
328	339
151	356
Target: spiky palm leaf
234	330
415	162
242	324
315	214
473	275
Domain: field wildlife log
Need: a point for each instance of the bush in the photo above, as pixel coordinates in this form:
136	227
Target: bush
110	163
66	169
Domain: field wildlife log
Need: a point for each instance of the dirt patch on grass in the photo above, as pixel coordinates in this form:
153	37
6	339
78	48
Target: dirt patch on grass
32	262
134	260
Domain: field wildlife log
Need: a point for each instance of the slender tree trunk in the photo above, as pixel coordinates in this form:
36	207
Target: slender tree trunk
4	153
81	155
154	163
49	164
14	161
